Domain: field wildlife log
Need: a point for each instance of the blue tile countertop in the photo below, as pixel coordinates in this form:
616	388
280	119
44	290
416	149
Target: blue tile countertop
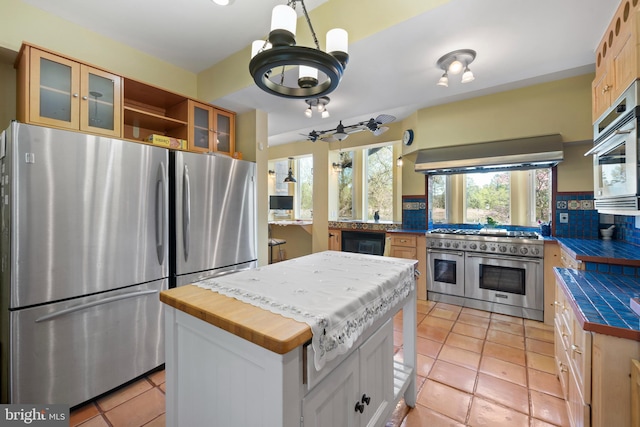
601	301
602	251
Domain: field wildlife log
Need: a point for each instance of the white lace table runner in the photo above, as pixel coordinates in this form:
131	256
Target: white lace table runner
338	294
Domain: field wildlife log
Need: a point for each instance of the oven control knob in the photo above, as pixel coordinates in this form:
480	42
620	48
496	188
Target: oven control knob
524	251
473	246
493	248
447	244
513	249
503	249
440	244
456	244
483	247
535	251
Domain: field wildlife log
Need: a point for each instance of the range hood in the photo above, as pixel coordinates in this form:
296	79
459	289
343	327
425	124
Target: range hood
511	154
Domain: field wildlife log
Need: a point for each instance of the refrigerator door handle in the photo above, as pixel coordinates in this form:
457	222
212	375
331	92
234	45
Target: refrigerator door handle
161	200
80	307
186	211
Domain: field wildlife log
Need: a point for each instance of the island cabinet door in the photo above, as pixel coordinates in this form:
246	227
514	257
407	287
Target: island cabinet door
359	392
333	401
376	376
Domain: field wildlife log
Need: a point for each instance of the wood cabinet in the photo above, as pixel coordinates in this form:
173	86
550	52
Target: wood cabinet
149	110
335	239
617	58
568	261
210	129
359	391
58	92
412	246
551	260
594	369
61	92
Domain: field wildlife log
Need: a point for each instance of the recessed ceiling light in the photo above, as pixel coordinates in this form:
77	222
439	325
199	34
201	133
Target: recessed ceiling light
221	2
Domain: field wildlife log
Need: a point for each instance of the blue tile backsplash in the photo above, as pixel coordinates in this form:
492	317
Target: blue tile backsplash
584	220
414	213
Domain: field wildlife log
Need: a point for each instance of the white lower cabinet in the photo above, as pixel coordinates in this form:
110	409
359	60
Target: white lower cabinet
359	391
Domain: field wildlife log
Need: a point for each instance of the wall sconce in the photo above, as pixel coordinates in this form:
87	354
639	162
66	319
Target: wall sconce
399	162
454	62
337	167
272	174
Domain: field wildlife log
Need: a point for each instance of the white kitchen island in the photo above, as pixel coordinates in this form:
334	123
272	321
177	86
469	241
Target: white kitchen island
274	354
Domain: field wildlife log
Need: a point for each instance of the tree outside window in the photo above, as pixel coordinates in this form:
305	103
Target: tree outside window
379	182
488	196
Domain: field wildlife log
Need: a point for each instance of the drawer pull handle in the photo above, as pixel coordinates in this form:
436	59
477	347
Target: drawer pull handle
576	349
564	335
366	399
563	367
556	303
359	407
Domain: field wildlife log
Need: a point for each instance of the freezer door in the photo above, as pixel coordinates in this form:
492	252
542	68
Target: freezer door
73	351
88	213
215	212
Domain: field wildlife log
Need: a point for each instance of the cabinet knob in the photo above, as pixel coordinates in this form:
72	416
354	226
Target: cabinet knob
75	95
366	399
606	88
576	349
359	407
85	98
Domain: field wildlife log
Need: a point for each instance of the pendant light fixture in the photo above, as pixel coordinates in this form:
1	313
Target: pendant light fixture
289	178
318	72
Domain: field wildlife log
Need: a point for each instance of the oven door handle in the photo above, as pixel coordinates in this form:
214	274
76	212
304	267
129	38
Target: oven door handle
506	258
600	146
435	251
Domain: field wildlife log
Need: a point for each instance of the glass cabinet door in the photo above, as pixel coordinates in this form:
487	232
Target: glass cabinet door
54	87
200	137
224	125
100	108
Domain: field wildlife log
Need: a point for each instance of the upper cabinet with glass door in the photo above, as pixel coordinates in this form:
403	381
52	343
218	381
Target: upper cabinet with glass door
211	129
59	92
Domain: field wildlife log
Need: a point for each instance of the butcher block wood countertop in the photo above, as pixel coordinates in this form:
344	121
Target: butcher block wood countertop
261	327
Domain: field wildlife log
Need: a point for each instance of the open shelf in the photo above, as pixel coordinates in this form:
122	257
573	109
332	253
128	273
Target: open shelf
144	119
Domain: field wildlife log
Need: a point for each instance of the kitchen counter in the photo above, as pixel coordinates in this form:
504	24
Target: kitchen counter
305	224
405	231
601	301
602	251
261	327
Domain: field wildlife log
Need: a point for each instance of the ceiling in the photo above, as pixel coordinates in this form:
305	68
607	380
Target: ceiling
392	71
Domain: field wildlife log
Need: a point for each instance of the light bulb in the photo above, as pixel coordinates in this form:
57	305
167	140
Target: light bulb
325	114
337	40
284	17
455	67
308	112
259	45
320	107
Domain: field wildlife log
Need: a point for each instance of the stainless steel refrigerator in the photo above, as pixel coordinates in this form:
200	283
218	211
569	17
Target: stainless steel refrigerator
213	216
84	254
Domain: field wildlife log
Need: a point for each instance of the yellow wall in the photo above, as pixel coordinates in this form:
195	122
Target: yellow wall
21	22
575	173
7	94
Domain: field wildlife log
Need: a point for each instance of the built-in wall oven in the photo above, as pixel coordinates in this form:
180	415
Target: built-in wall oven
499	273
615	155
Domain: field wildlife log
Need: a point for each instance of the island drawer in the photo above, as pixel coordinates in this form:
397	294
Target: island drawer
403	240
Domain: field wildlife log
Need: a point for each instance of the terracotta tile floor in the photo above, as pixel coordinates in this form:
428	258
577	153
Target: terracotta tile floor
474	369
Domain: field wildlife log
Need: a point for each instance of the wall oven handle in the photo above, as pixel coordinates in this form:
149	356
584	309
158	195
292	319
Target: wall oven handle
80	307
505	258
596	149
435	251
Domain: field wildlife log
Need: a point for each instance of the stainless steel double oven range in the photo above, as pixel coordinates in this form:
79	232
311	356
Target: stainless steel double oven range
494	270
